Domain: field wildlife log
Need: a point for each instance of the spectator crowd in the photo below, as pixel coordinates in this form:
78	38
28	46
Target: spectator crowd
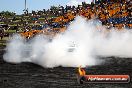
112	13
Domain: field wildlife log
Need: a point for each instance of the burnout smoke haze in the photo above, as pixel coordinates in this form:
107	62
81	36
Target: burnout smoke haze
79	45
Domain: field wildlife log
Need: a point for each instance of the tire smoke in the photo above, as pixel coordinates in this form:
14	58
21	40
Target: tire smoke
80	44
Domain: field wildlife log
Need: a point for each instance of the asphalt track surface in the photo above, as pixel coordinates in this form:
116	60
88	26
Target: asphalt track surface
28	75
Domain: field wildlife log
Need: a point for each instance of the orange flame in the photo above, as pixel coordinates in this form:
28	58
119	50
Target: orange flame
81	71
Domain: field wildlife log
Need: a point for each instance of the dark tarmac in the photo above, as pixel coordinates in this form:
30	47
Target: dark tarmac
28	75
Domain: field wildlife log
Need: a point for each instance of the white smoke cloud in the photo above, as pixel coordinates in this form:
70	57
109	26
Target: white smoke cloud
77	2
79	45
